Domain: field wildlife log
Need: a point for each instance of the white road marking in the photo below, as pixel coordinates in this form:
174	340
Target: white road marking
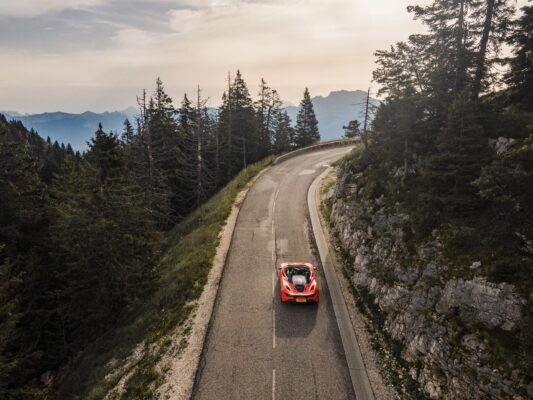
274	202
273	327
273	384
273	283
273	310
307	172
273	241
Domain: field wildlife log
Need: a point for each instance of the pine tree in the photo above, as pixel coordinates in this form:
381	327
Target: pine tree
448	45
283	133
196	171
306	131
106	154
127	132
9	320
268	107
493	28
461	151
146	156
102	236
237	128
22	234
165	145
244	124
204	144
224	141
464	42
353	129
520	76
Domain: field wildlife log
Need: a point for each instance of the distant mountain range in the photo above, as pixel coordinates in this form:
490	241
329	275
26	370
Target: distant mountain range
76	129
332	111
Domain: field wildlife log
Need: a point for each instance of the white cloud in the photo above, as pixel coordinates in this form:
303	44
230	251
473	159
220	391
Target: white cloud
32	8
323	44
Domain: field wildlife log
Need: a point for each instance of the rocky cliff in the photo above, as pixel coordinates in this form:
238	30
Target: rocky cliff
447	323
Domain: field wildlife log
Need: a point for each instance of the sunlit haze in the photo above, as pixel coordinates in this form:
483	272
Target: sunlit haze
77	55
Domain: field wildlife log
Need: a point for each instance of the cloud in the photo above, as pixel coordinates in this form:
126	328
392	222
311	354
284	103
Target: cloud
32	8
126	44
87	54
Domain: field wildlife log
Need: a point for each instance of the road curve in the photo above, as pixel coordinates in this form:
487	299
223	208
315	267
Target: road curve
258	348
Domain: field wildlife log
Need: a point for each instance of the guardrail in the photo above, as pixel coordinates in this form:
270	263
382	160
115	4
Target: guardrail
318	146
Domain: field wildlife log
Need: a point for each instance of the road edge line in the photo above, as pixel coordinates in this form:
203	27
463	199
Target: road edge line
358	374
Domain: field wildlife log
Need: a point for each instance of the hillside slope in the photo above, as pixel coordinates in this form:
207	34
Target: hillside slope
454	317
130	362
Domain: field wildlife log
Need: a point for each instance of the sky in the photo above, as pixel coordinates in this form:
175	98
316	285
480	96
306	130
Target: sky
98	55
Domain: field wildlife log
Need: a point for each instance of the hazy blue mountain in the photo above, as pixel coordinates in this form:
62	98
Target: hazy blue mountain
76	129
332	112
336	110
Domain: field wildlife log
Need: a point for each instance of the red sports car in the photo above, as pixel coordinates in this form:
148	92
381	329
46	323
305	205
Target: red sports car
298	282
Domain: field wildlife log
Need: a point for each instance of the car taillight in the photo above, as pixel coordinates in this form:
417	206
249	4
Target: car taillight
287	287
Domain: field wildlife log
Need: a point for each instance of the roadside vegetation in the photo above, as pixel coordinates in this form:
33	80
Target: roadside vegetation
188	252
451	147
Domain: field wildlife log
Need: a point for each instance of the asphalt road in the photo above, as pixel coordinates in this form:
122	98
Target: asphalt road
258	348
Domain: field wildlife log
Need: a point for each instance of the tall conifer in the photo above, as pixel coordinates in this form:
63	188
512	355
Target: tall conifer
306	131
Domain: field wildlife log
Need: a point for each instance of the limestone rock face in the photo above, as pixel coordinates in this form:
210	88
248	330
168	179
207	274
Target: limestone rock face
436	315
501	144
496	306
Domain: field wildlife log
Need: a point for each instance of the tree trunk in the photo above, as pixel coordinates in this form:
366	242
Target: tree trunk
480	68
199	128
405	161
230	149
363	136
460	38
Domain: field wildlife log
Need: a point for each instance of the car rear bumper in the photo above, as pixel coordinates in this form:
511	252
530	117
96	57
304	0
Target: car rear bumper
293	297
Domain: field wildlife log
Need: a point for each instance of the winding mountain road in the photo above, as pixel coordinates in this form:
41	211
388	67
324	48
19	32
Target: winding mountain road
258	348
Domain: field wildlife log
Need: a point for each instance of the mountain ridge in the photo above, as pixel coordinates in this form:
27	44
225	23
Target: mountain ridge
335	110
332	111
76	129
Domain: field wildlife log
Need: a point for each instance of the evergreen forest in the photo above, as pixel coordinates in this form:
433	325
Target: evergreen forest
81	235
451	147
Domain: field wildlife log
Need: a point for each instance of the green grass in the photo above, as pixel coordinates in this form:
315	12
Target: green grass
186	259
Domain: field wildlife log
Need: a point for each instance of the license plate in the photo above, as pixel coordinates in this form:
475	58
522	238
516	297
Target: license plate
301	300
